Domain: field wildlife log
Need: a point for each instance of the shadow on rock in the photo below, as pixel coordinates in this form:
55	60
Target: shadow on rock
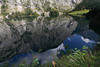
94	17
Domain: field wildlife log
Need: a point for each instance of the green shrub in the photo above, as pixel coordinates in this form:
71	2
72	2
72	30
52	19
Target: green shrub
16	16
4	8
77	58
79	13
28	15
22	65
54	13
28	11
4	1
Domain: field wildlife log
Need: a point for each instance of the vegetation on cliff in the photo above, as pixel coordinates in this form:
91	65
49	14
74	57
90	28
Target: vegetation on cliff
79	13
28	15
54	13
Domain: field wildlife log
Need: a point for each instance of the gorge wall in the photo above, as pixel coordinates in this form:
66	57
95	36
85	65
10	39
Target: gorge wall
39	35
40	6
42	33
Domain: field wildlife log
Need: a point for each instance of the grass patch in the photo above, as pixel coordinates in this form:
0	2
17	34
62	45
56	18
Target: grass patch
79	13
73	58
77	58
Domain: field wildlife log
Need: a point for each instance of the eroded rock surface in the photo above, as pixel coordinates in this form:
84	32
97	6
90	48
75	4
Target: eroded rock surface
41	34
41	6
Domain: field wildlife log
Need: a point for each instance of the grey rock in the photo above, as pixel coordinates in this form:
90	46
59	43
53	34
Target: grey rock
42	34
41	6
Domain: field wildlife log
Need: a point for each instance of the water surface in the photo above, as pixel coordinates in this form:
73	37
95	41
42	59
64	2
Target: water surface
50	35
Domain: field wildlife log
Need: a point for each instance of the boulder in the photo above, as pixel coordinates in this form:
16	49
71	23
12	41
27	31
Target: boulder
42	34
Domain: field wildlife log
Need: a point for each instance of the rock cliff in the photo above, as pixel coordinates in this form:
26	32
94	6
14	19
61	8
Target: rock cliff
42	34
40	6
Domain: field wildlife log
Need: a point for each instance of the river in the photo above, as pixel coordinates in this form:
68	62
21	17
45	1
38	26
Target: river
44	37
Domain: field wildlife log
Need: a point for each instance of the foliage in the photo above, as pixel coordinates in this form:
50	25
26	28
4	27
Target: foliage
4	8
28	15
4	1
77	58
22	65
53	13
48	9
16	16
35	62
28	11
78	13
80	58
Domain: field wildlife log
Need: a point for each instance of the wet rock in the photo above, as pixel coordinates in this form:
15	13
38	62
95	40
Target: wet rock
42	34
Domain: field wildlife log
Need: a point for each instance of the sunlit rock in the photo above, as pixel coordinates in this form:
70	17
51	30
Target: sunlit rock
42	5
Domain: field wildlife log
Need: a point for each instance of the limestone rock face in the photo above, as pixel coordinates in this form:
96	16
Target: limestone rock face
41	5
42	34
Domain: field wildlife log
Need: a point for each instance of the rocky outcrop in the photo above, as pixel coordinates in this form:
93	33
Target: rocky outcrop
41	6
42	34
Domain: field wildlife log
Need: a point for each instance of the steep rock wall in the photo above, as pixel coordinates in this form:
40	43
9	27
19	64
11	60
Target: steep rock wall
42	34
41	5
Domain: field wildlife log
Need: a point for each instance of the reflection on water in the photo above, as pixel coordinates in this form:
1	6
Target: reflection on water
45	33
48	33
74	41
78	41
84	29
39	35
